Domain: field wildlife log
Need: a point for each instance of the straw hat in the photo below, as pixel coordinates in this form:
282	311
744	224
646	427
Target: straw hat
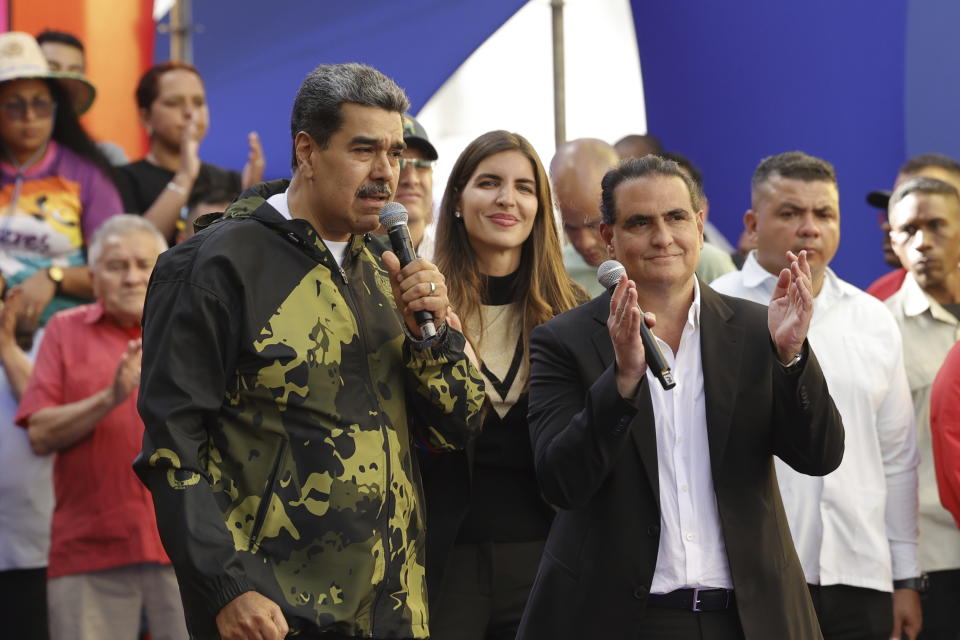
20	57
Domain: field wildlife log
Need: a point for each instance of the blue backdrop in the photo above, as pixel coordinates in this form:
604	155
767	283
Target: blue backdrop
858	82
253	55
729	83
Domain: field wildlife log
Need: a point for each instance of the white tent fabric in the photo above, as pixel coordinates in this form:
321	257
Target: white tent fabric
508	82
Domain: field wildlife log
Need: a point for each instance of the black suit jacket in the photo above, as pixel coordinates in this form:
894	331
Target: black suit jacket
596	459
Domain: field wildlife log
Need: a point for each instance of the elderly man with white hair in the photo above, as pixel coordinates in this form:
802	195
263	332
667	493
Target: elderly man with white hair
107	564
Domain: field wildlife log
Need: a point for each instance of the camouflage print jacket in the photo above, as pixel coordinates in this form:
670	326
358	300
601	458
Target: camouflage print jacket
280	398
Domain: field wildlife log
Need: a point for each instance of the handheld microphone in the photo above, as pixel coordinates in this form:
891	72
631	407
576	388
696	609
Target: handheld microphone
393	218
608	275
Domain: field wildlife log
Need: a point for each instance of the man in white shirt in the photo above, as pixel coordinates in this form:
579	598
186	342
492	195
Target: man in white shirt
925	234
670	525
855	529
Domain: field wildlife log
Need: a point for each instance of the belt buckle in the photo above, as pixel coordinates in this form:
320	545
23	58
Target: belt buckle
696	600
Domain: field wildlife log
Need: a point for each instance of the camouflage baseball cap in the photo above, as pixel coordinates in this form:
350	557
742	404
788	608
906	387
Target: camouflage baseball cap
416	136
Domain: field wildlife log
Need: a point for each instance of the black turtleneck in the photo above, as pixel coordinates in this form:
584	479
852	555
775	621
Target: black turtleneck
501	290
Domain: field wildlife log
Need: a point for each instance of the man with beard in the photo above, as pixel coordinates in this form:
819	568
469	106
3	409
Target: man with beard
285	381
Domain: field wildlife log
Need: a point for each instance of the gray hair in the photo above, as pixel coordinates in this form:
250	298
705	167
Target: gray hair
316	109
922	185
122	225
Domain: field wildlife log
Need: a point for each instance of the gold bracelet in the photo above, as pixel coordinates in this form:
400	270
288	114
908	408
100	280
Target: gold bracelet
173	186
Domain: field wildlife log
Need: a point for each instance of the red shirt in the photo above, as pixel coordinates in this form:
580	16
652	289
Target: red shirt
887	284
945	430
103	516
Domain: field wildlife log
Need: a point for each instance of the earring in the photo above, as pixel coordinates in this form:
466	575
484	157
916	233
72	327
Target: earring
457	214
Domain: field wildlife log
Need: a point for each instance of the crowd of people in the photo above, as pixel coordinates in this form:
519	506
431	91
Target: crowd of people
223	418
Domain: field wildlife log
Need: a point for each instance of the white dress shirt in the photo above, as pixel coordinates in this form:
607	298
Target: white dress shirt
858	525
929	331
691	552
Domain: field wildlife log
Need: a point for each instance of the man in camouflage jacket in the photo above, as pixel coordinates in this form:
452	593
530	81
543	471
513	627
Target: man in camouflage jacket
281	393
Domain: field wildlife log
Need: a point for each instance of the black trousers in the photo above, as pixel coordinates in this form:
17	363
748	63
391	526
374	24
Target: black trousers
941	607
485	588
23	604
852	613
679	624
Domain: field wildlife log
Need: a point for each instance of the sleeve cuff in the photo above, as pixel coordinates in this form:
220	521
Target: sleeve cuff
227	590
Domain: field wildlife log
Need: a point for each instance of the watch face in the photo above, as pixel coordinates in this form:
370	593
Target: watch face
55	273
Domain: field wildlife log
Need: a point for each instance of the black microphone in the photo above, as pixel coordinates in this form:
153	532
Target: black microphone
393	218
608	275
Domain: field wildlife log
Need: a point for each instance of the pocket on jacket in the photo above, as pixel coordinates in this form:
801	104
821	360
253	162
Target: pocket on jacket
270	516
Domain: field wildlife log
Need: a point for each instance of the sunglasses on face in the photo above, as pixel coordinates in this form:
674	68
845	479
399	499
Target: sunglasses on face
416	163
17	109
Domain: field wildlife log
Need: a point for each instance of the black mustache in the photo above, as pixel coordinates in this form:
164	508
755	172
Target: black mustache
374	189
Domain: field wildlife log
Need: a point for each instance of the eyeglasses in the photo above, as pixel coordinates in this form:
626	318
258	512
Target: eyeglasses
17	109
416	163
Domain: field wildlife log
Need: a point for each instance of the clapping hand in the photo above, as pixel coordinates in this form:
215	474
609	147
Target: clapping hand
253	169
791	307
623	323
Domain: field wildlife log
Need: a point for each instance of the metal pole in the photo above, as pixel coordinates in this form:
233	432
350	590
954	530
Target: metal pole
559	86
181	31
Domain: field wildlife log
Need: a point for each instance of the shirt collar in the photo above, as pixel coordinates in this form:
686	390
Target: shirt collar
45	160
95	314
693	315
754	275
916	301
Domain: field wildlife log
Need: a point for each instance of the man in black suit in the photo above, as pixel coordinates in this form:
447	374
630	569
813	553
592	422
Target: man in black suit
670	523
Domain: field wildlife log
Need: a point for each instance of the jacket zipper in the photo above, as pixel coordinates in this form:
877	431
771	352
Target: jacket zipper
267	497
385	529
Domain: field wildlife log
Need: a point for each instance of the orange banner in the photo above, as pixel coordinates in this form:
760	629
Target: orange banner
118	36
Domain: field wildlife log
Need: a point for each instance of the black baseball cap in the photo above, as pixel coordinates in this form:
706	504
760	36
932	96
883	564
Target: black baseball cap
416	136
879	199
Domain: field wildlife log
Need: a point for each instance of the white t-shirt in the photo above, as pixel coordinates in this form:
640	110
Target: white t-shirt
279	202
26	488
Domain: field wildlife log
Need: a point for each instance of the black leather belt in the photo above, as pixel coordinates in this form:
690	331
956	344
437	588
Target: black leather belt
694	599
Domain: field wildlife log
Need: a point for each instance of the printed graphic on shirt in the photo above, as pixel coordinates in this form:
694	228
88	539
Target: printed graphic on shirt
43	230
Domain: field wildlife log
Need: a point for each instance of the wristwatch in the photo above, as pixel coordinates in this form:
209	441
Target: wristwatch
794	363
56	275
920	584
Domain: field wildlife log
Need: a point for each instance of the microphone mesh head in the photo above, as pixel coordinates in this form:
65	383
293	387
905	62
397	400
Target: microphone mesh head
608	273
393	214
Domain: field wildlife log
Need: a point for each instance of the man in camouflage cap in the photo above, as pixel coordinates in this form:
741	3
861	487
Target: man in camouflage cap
285	382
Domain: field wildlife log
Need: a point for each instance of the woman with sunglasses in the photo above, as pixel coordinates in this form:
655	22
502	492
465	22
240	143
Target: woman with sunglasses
55	186
498	248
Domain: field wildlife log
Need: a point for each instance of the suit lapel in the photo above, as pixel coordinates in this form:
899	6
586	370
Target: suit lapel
721	351
644	436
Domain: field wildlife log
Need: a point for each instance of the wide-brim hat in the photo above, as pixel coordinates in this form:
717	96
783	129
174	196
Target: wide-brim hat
416	136
21	57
